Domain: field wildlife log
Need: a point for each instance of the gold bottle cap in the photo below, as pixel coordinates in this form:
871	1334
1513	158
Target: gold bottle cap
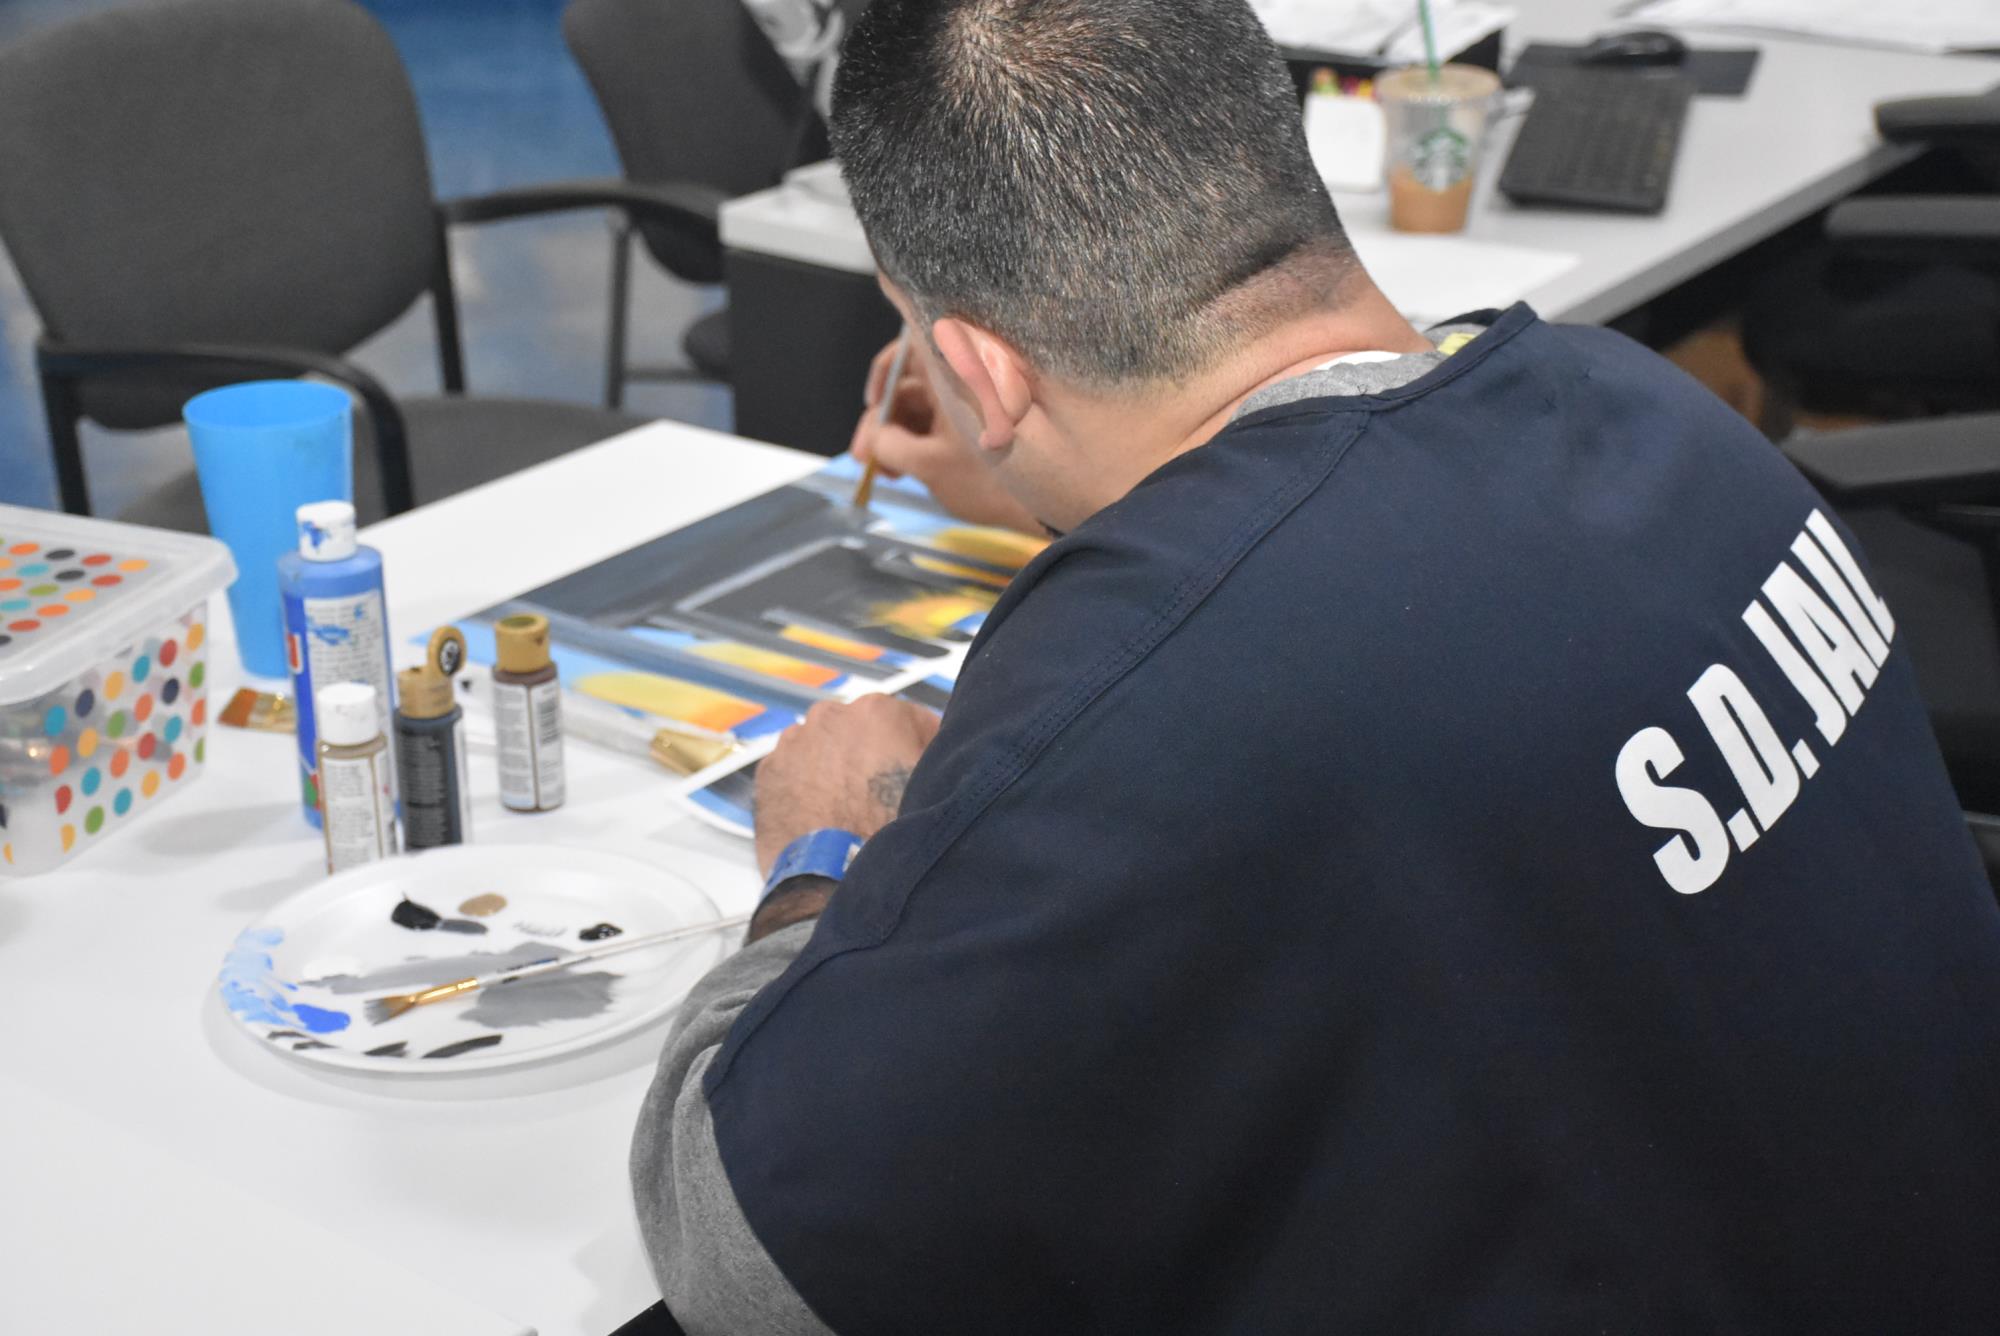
523	642
426	692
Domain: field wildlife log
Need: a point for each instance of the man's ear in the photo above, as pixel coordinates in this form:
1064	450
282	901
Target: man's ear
993	373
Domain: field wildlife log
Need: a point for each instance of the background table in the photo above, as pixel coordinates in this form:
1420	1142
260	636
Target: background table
508	1189
805	317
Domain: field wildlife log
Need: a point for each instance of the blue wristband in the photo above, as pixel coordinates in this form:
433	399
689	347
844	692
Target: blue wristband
822	853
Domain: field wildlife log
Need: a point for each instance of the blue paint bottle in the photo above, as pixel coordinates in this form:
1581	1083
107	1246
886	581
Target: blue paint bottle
336	626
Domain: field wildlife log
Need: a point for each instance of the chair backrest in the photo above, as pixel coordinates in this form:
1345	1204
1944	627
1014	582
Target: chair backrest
213	171
692	91
1947	605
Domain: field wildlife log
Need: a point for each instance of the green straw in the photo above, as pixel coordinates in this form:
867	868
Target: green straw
1430	39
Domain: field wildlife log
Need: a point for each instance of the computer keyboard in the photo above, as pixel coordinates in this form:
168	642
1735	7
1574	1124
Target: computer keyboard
1602	139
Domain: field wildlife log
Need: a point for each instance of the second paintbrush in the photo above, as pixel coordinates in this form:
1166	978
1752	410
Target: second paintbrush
864	491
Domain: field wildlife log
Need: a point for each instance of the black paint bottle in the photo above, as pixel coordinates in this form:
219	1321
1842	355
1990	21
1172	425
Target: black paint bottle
430	748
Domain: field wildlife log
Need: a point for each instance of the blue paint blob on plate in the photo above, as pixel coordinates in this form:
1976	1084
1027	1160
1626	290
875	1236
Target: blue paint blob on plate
319	1020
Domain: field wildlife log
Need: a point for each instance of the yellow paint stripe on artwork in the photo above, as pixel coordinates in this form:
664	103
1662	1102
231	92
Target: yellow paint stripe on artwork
832	644
955	571
770	663
932	615
670	698
1001	547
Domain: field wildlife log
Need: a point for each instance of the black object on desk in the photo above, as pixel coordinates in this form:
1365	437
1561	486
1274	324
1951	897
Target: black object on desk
1715	73
1602	139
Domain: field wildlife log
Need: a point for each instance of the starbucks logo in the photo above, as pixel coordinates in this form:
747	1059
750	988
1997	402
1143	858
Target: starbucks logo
1442	159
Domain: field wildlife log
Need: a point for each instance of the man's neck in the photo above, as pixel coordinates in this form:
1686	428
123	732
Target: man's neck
1150	430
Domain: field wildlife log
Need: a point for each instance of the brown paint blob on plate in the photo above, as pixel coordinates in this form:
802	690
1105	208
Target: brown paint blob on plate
479	906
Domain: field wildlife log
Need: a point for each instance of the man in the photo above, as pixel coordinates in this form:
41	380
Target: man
1447	841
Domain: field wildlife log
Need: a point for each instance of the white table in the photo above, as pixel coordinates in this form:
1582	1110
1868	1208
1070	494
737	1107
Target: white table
507	1190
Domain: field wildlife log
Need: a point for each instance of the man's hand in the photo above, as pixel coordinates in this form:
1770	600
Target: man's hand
844	767
919	440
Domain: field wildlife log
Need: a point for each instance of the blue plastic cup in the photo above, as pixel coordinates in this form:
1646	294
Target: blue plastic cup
262	449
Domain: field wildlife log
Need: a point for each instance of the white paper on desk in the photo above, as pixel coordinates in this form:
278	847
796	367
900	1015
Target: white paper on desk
1932	26
1432	278
1348	141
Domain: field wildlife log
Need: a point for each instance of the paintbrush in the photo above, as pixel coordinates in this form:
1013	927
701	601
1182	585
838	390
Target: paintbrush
260	711
681	748
865	489
382	1009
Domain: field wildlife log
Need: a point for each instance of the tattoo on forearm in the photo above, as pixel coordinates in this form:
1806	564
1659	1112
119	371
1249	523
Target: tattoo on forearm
886	786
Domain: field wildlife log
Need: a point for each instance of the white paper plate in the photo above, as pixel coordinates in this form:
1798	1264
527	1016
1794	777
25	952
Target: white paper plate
299	978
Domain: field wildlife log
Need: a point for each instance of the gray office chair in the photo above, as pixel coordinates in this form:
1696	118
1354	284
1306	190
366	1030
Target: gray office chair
1924	499
198	192
696	99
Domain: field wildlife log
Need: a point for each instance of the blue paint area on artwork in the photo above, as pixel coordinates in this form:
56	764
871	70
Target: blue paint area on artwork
319	1020
254	994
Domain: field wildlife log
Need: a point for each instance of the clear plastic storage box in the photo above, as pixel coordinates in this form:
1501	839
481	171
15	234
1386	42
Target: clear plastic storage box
103	677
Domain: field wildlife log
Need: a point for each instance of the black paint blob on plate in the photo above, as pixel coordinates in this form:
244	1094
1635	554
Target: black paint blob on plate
395	1050
597	932
465	1046
418	918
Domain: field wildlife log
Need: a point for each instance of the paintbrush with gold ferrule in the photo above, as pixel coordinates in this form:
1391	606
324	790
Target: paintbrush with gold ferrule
681	748
388	1008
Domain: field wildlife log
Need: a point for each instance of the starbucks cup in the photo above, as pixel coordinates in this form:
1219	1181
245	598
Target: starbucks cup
1435	128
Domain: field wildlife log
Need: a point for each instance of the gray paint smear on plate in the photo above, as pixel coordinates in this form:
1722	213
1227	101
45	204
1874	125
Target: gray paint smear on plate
555	997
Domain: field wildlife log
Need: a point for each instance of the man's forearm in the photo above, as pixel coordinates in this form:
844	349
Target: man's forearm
714	1274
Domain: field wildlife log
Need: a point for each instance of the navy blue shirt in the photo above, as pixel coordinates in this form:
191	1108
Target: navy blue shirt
1465	858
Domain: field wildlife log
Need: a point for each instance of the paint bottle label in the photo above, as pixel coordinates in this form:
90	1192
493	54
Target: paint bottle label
528	720
332	640
437	802
360	812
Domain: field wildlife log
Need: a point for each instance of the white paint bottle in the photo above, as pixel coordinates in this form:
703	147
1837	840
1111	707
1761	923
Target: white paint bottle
354	776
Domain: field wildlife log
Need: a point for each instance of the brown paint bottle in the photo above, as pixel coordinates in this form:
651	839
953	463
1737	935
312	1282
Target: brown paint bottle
527	714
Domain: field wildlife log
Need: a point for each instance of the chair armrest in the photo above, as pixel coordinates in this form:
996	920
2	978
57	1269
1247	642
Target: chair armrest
676	203
66	362
1970	118
1932	460
1922	228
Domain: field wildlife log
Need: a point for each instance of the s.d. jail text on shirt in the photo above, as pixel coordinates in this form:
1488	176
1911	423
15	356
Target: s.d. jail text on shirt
1840	633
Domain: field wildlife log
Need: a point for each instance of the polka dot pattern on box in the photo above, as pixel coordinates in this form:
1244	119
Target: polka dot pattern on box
103	670
43	587
125	734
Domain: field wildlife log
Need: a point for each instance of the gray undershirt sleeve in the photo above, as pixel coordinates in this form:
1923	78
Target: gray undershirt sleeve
715	1275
